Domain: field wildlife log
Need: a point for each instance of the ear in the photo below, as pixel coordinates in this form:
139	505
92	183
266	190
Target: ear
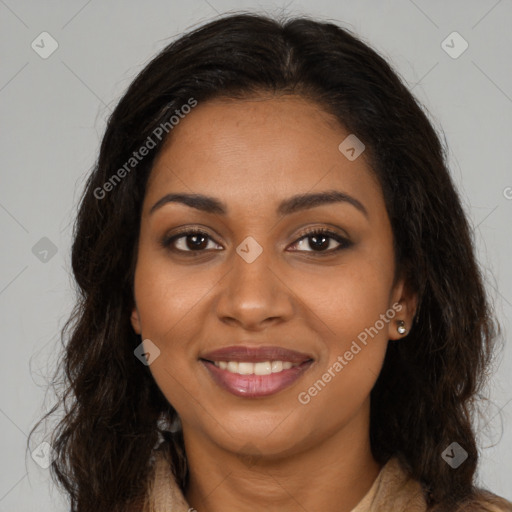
404	302
135	320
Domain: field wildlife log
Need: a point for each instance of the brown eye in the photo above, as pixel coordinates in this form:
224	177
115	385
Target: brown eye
188	241
320	241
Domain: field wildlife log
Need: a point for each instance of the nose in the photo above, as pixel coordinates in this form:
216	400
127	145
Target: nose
255	294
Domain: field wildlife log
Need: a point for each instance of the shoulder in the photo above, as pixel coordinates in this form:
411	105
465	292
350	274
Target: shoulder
485	501
163	491
395	490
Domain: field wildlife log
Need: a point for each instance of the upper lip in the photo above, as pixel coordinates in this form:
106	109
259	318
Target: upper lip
255	354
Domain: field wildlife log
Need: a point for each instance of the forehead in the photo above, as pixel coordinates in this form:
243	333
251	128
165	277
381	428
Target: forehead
259	149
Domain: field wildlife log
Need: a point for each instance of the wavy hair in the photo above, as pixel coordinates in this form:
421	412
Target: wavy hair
424	398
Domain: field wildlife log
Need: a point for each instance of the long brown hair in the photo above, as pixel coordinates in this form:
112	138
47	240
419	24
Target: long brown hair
424	397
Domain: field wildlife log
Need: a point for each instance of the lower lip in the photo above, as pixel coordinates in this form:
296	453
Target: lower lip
254	386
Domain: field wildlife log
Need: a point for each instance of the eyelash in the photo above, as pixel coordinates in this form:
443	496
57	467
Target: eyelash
167	241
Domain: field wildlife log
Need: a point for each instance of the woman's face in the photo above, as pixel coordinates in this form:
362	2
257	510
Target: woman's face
233	307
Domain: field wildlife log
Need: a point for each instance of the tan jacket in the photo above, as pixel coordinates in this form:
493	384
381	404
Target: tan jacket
392	491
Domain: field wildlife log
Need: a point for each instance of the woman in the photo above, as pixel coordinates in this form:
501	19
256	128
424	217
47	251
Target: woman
280	307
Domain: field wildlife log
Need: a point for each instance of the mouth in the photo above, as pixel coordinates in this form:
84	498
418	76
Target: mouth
253	372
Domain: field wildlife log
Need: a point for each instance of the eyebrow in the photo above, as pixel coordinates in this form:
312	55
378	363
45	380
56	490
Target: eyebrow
288	206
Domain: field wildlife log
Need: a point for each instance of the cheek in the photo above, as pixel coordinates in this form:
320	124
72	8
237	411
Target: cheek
349	299
354	352
167	296
166	302
353	306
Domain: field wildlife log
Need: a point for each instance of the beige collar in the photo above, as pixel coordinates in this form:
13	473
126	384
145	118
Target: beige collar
392	491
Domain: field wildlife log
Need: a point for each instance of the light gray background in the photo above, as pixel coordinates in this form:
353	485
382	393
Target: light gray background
53	115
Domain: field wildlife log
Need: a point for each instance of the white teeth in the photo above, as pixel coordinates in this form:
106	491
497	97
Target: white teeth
262	368
277	366
247	368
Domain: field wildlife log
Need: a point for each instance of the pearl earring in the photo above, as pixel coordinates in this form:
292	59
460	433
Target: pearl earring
401	327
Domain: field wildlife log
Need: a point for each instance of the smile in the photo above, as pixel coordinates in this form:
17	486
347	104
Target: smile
247	368
253	372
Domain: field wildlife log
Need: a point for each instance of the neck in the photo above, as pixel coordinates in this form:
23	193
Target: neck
332	476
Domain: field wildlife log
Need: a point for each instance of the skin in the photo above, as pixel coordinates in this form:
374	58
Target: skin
268	453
